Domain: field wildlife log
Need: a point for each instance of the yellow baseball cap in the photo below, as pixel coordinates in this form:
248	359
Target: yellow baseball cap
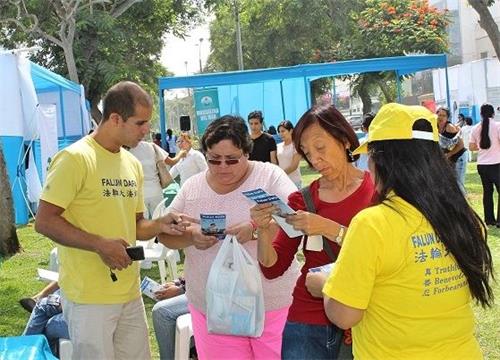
395	122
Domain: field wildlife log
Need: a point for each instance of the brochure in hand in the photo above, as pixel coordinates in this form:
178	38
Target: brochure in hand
327	268
282	209
213	224
149	287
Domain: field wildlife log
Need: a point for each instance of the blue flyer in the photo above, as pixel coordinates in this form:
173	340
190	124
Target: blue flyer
214	225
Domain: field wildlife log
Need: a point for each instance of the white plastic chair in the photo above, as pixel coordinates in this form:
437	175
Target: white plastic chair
183	333
65	349
160	253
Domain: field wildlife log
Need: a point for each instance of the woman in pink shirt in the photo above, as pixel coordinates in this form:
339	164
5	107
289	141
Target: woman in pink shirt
485	138
218	190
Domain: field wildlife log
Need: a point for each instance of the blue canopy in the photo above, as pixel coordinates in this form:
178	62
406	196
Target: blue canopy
285	92
46	80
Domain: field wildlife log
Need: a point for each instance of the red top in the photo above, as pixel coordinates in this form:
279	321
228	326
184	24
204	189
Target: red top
305	308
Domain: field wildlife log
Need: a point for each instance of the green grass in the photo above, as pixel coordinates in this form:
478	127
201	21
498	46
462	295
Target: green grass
18	277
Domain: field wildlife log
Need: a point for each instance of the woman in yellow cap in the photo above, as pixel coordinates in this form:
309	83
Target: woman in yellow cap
410	264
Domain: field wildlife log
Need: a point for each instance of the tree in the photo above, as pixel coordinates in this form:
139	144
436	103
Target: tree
392	28
487	22
9	243
289	32
95	41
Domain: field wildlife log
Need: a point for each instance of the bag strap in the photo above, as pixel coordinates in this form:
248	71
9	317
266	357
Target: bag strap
308	201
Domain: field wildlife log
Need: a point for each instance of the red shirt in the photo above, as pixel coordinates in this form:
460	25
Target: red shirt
305	308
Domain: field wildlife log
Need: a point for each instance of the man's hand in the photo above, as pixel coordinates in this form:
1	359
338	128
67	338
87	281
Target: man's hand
243	231
169	290
172	224
315	282
113	254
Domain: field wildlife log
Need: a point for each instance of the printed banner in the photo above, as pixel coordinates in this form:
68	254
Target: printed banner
206	103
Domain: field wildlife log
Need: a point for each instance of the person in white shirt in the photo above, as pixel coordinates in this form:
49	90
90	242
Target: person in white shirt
146	154
466	131
192	164
288	158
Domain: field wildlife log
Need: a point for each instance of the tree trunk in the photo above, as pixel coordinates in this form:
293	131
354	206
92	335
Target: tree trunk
389	96
487	22
9	243
365	97
94	110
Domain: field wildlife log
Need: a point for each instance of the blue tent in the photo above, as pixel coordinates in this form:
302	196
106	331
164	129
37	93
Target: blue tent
19	104
285	93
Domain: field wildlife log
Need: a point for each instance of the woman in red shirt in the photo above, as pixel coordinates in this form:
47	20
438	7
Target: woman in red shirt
325	139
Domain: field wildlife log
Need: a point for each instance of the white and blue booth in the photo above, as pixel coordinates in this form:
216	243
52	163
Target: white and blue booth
40	113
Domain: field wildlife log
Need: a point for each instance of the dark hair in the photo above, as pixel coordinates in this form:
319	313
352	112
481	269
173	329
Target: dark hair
227	127
256	115
468	120
486	112
287	124
445	109
367	120
157	136
333	122
271	130
460	115
409	168
169	133
123	98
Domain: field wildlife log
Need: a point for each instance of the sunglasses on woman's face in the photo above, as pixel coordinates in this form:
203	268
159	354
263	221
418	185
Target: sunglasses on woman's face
226	161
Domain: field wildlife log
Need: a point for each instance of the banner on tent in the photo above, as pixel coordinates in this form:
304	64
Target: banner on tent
206	103
48	134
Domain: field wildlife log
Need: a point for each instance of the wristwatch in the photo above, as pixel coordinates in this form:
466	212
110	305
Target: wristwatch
340	236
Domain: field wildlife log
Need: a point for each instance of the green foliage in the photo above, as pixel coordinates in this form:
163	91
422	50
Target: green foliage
274	33
392	27
108	49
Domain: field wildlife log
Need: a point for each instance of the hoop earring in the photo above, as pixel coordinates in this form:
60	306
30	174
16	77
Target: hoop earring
350	156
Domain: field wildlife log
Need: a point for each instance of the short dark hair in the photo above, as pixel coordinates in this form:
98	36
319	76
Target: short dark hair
257	114
408	168
468	120
333	122
271	130
367	120
123	98
227	127
157	136
287	124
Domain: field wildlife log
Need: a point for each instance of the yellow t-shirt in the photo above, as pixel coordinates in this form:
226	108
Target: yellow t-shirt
415	297
101	193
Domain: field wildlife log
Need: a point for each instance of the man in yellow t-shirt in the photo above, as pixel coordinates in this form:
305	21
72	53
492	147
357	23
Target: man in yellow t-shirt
92	206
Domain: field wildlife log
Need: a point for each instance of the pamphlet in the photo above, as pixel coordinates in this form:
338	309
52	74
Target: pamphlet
327	268
213	224
282	209
149	287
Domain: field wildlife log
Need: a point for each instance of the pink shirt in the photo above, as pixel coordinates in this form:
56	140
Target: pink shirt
492	155
197	197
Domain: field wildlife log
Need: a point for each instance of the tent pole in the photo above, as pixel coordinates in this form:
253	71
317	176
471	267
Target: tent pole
307	88
334	91
63	120
398	86
162	119
447	85
282	101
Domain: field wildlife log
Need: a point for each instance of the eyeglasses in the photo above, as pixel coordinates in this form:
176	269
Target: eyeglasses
226	161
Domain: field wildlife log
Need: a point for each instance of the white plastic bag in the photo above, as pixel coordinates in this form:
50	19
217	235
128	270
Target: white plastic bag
235	303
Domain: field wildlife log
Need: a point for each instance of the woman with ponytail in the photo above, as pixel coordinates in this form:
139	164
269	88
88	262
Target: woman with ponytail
485	138
410	265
